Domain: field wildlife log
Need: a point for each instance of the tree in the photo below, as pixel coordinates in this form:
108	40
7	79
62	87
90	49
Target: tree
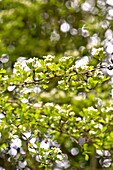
55	111
59	104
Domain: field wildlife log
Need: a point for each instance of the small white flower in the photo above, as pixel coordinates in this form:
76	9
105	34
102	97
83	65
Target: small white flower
32	141
109	109
25	90
82	62
20	59
37	64
36	89
57	107
61	82
107	153
99	152
65	58
107	163
22	164
98	126
92	109
4	58
49	104
59	156
49	57
96	51
71	113
30	60
91	132
16	143
2	116
44	144
27	135
74	130
78	119
12	152
11	88
27	69
57	150
24	100
32	150
92	121
37	105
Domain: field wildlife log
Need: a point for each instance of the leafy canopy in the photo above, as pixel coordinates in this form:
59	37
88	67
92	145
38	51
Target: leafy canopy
43	101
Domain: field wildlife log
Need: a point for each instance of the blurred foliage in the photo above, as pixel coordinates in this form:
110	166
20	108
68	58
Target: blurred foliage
33	28
56	93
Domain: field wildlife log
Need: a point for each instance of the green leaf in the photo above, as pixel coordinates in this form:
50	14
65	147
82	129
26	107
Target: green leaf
86	157
2	71
111	134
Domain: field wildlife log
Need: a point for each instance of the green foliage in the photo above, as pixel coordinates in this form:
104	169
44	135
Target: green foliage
55	90
70	110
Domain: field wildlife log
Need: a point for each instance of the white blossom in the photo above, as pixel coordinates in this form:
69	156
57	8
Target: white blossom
12	152
82	62
11	88
49	57
16	143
